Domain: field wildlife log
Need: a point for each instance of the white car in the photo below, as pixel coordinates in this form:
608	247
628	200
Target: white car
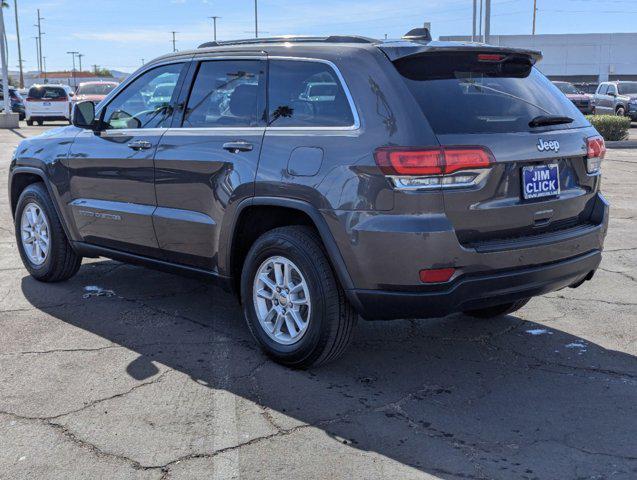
48	102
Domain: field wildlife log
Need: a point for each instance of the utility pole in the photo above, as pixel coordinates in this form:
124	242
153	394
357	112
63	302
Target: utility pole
79	57
143	62
46	80
37	53
174	41
17	32
73	73
95	69
487	21
534	15
39	25
475	14
214	22
256	19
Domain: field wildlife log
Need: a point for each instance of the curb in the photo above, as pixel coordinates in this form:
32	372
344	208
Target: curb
622	144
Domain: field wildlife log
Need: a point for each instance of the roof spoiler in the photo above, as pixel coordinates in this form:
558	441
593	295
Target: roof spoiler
398	51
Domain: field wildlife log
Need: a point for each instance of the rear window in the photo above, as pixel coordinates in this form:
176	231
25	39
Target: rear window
307	94
47	92
626	88
567	88
460	94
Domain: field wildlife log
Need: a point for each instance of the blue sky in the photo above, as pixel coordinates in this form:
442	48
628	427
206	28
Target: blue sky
120	33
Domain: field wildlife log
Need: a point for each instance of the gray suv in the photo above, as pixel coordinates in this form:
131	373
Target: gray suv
323	179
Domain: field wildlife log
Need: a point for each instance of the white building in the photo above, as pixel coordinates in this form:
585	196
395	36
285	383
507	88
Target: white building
582	57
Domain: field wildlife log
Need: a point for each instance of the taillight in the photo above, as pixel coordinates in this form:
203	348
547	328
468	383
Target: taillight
432	166
596	150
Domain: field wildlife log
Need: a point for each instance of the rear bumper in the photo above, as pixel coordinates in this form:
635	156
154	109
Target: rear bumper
476	291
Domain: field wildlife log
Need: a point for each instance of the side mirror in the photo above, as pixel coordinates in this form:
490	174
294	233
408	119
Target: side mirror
84	115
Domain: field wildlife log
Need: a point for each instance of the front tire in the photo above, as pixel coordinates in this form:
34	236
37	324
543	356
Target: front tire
42	243
497	310
293	304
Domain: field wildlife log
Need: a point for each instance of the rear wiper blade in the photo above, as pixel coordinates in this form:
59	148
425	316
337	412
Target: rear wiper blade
543	120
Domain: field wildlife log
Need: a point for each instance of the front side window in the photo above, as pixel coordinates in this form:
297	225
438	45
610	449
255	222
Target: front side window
307	94
147	102
603	88
226	93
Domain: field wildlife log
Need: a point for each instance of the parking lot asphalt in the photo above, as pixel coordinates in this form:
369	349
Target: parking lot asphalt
155	376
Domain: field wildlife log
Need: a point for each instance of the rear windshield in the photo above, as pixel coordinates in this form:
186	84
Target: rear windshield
460	94
47	92
95	89
626	88
567	88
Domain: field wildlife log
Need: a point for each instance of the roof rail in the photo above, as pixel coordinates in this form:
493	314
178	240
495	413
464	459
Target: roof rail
295	39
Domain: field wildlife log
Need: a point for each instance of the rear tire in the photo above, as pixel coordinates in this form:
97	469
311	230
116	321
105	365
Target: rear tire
40	122
321	320
59	262
30	123
620	112
497	310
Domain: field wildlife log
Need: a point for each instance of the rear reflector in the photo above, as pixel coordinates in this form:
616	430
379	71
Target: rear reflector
431	161
436	276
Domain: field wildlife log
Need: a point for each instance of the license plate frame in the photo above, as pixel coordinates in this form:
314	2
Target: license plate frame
541	181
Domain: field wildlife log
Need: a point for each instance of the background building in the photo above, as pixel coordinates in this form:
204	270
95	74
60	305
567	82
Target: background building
587	57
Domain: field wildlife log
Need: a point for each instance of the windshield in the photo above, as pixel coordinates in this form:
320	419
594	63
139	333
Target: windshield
96	89
627	88
567	88
47	92
460	94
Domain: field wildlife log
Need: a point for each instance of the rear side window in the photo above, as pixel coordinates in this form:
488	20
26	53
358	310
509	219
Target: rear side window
307	94
459	93
46	92
226	94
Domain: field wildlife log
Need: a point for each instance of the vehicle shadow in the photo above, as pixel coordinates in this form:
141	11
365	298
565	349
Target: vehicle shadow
453	397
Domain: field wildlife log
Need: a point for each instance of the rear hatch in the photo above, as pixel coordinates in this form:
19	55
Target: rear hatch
47	100
537	182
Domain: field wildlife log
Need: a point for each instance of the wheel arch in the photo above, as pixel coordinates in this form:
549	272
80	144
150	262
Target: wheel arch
21	178
304	214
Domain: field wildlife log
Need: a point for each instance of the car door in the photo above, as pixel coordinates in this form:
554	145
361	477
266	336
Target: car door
611	94
111	171
602	102
206	162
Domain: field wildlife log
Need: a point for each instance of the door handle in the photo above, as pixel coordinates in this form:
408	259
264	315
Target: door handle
236	147
140	145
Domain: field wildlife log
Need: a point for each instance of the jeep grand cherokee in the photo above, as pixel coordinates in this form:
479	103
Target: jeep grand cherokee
323	179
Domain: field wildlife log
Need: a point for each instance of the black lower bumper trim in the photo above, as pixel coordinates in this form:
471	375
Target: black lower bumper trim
475	291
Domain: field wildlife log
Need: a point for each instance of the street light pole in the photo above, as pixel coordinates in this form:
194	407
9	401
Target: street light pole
256	19
79	57
534	14
214	22
174	41
5	67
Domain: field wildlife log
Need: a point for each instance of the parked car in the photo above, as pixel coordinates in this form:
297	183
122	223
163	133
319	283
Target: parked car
582	101
17	102
441	177
48	102
619	98
589	88
93	91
